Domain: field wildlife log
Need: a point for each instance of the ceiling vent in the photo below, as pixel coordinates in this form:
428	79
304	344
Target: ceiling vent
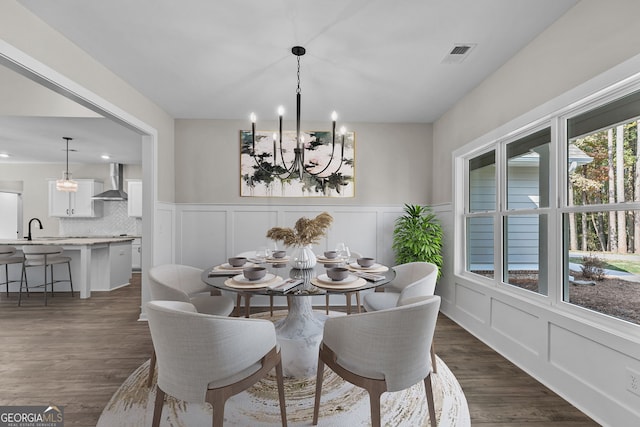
458	53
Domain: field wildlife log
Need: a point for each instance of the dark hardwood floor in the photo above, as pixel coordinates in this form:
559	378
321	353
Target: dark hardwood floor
76	353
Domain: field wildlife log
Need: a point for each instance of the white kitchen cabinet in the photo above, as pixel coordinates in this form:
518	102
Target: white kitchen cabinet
120	264
76	204
136	254
134	192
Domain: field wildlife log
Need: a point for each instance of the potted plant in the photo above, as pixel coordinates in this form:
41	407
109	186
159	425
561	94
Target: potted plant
417	236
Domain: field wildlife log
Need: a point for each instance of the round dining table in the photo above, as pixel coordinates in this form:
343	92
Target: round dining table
299	333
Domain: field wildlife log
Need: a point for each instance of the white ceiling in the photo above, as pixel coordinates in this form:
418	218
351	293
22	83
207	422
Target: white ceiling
371	61
39	140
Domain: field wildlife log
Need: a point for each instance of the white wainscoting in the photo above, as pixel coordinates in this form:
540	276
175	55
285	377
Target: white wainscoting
584	362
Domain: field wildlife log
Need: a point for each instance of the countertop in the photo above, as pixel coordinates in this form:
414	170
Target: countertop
62	241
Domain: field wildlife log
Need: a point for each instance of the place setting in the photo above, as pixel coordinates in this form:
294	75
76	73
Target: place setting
252	278
277	257
331	257
367	268
233	266
338	278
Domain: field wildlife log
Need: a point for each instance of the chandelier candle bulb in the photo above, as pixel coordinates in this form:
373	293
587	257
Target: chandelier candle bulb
253	132
274	146
334	117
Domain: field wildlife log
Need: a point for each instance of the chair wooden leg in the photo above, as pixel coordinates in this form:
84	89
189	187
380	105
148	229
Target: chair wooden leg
348	296
238	304
316	405
326	304
217	402
152	367
247	305
283	406
434	367
358	300
6	276
157	408
429	391
374	402
271	305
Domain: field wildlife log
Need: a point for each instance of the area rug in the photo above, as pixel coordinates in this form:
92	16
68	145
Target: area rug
341	404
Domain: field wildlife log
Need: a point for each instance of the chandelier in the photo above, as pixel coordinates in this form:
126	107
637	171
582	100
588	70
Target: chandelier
299	166
67	183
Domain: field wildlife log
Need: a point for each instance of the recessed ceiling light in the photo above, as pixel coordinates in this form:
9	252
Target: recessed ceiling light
4	155
105	157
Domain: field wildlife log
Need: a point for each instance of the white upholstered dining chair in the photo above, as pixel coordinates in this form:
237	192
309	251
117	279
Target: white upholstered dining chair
381	351
414	279
175	282
205	358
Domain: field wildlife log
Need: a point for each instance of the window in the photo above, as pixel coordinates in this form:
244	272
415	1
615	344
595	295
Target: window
601	219
481	207
571	235
525	229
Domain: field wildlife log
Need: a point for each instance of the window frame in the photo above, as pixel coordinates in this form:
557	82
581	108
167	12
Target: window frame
558	203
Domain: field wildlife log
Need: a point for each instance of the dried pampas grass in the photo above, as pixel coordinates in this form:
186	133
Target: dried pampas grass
305	232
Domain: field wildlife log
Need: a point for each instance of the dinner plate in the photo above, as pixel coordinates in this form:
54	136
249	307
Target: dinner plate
278	260
339	286
227	266
328	260
326	279
240	279
359	267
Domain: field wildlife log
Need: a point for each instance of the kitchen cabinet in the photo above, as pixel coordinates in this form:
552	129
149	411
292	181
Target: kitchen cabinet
76	204
120	264
136	254
134	202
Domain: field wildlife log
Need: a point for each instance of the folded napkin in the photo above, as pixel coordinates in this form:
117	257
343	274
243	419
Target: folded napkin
222	272
285	285
369	276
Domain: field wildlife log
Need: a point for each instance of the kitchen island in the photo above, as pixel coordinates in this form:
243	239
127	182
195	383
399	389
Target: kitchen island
97	263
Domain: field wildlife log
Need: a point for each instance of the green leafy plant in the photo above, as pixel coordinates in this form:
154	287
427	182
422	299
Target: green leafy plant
417	236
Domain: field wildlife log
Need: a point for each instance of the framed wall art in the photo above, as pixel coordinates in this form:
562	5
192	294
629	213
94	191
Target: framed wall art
269	168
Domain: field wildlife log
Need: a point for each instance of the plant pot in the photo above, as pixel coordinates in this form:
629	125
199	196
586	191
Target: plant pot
302	257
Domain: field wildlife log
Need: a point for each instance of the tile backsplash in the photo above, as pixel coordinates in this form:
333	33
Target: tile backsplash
114	221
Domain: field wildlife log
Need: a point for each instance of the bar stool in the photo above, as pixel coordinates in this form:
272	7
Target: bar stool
7	258
45	256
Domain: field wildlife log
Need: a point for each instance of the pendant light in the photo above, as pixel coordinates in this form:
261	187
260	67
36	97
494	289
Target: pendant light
66	183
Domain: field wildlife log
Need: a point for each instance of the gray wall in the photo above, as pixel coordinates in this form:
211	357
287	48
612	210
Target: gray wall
392	163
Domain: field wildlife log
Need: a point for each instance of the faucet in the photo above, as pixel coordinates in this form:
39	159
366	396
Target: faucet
30	221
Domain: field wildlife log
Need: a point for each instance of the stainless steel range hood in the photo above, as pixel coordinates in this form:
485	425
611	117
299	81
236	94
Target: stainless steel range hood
117	182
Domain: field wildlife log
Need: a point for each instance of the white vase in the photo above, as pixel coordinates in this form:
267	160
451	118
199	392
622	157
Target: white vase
303	257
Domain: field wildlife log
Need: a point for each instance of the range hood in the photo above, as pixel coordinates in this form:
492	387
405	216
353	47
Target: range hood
117	194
